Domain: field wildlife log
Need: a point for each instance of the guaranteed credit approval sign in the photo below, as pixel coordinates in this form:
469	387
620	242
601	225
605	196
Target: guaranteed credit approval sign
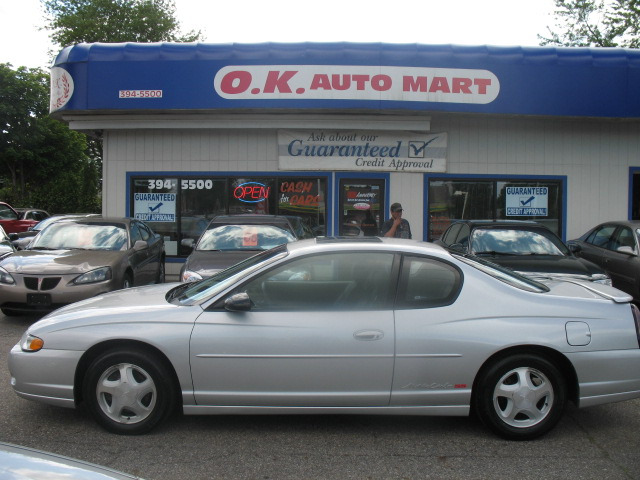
527	201
362	150
342	82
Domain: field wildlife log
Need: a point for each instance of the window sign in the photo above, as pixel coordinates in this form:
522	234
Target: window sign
154	207
527	201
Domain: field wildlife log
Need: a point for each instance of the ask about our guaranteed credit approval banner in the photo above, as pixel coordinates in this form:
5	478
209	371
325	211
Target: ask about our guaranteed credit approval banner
362	151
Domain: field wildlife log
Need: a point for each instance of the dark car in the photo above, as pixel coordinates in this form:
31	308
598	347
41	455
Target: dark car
32	214
614	247
77	259
524	246
229	239
11	220
22	239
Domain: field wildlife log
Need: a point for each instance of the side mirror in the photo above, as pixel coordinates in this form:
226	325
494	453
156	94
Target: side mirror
458	247
240	302
188	242
627	250
13	237
574	247
140	245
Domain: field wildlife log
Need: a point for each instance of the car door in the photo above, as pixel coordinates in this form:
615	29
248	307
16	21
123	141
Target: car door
320	333
594	247
623	266
429	368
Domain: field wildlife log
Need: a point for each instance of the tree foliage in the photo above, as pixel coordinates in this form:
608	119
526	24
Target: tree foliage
42	162
113	21
595	23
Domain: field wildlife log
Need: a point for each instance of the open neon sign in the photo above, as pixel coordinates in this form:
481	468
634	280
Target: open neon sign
251	192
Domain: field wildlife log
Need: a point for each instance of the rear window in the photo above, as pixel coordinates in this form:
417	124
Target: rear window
243	237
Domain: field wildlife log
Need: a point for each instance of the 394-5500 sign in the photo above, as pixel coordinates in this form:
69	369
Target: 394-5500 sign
140	94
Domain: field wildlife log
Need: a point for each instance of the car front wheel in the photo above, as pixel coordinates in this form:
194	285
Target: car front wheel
521	397
128	392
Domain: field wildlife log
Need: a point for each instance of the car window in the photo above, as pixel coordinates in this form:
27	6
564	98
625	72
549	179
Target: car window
243	237
463	235
450	235
135	233
623	238
7	214
338	281
601	237
145	233
71	235
426	283
516	242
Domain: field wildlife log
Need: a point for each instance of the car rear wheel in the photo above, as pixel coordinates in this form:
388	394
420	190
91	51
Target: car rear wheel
128	392
521	397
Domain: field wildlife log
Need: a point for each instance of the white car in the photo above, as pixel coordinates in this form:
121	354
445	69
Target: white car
345	326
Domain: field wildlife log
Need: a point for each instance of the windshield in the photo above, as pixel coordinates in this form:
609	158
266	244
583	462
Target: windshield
503	274
243	237
507	241
191	293
85	236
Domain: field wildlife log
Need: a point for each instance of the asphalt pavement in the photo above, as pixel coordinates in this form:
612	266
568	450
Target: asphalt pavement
596	443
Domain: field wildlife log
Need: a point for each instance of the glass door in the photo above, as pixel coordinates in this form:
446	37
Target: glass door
361	207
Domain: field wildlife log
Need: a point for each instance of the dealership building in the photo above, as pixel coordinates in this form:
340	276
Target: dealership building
337	132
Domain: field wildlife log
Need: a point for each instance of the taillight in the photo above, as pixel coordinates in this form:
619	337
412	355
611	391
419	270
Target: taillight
636	317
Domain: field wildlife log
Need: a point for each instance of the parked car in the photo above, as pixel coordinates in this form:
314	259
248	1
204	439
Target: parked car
524	246
339	326
32	214
22	463
11	220
229	239
6	247
73	260
614	247
22	239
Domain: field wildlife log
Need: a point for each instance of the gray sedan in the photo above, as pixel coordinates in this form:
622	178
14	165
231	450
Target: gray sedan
76	259
339	326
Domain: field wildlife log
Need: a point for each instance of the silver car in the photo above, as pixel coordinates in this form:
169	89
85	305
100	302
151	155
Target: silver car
339	326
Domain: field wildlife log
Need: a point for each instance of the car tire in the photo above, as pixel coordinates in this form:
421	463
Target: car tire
161	272
127	281
520	397
128	392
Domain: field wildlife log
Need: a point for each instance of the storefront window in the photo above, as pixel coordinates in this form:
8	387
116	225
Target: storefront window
463	199
361	207
180	208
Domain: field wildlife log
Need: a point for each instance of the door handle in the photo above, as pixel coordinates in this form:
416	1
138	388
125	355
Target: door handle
368	335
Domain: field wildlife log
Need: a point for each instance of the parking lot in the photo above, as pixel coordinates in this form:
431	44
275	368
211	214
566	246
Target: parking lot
596	443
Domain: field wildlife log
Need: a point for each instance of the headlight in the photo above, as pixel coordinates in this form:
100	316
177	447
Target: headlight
94	276
6	278
31	343
601	278
189	276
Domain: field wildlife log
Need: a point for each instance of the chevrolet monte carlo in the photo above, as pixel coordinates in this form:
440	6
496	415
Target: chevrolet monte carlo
348	326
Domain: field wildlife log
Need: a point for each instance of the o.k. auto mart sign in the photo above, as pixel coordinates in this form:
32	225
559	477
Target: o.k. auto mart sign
362	151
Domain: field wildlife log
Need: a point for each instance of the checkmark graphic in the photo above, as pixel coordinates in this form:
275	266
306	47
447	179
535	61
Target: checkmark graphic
527	202
153	209
416	149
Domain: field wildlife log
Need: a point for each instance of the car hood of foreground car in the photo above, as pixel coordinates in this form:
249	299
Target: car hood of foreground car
59	262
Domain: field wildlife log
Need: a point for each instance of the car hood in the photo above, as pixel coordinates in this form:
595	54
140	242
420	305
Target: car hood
552	264
208	263
138	304
59	262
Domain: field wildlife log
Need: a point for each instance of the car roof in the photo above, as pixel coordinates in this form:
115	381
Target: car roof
390	244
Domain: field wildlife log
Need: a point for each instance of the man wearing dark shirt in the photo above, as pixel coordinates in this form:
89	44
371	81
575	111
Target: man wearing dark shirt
396	226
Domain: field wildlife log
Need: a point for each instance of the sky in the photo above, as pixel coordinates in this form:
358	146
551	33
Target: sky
23	42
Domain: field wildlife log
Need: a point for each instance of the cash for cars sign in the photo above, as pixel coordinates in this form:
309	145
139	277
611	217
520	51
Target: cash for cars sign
154	207
362	151
527	201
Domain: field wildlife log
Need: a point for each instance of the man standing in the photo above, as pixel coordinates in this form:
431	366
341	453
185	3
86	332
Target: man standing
396	226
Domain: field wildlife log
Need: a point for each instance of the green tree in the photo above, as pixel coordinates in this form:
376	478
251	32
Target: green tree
43	163
595	23
112	21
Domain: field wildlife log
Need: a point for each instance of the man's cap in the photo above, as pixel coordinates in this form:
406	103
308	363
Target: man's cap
396	207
